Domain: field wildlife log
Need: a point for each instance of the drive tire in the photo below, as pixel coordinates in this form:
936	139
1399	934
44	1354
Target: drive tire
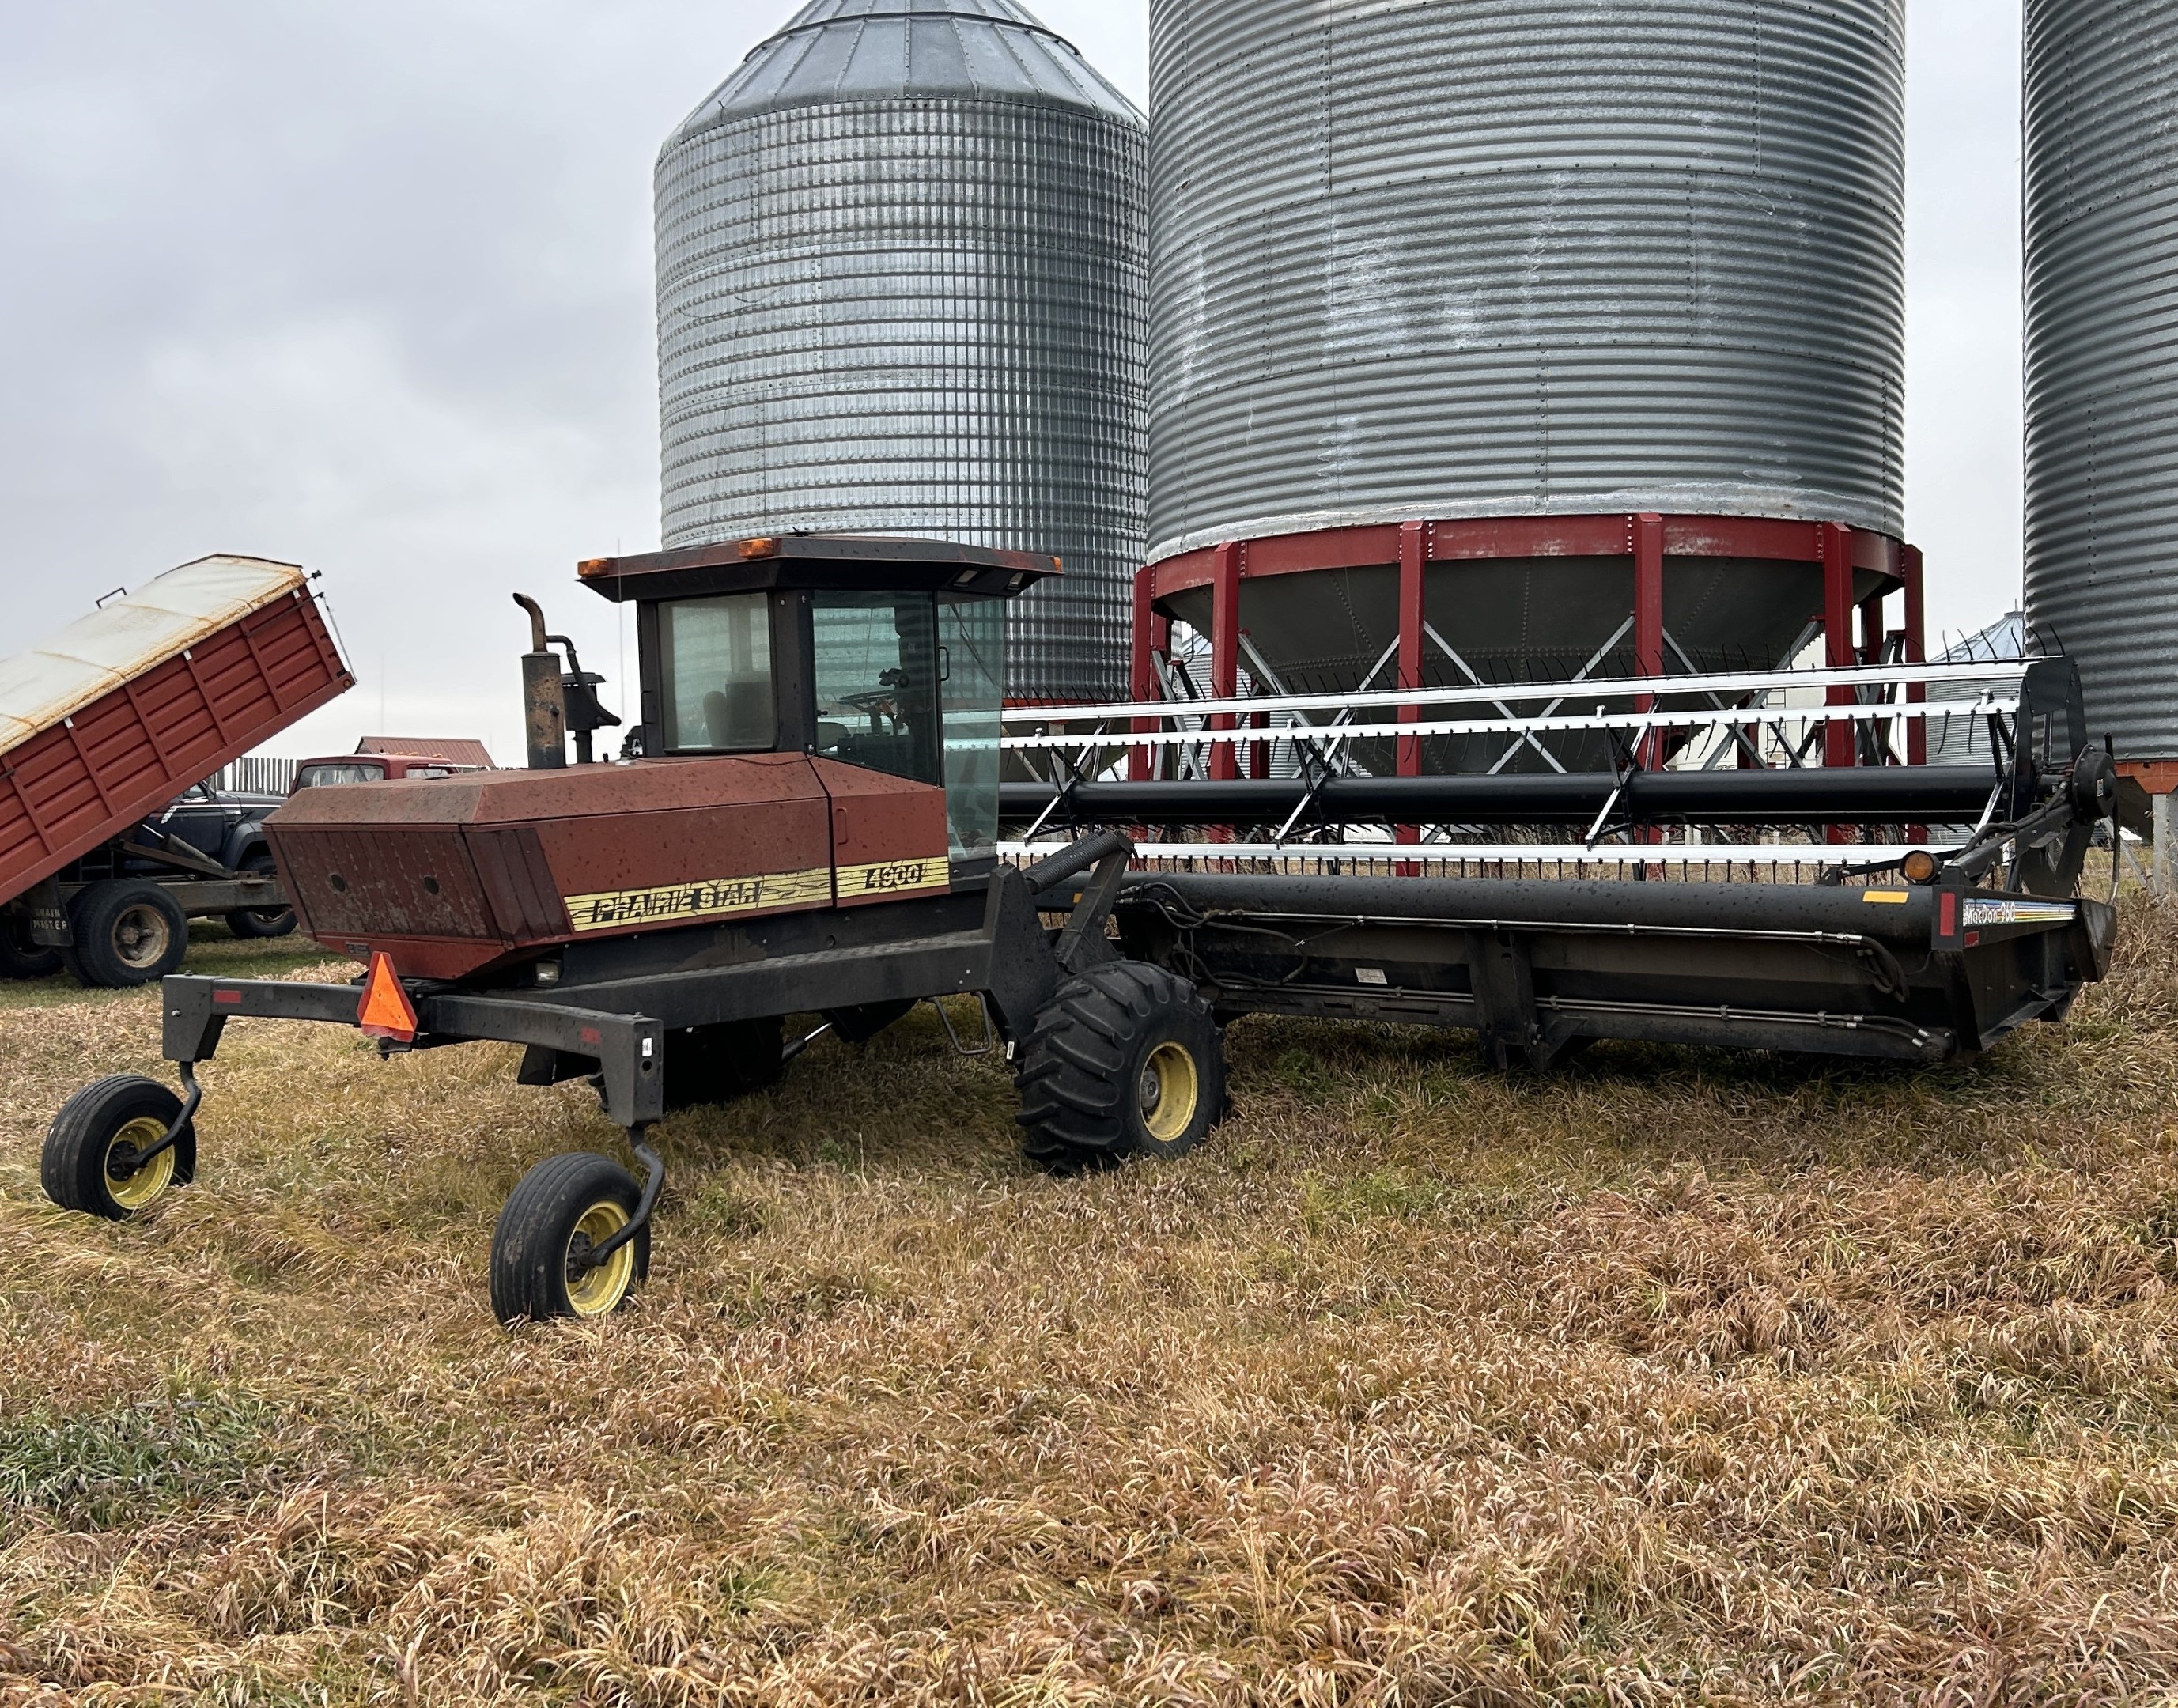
128	934
565	1199
19	957
261	922
1126	1062
97	1126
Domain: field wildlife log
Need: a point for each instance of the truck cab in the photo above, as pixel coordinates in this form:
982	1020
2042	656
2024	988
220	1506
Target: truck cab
224	825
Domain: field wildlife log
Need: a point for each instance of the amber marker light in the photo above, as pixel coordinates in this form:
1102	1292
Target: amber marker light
753	550
1920	867
595	567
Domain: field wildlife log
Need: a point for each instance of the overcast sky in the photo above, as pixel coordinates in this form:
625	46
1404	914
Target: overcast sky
368	287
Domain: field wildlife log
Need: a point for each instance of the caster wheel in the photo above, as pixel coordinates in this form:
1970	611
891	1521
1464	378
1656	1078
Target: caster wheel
90	1162
565	1209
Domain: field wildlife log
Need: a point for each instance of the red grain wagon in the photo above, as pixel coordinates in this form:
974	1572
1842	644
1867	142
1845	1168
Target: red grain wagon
107	722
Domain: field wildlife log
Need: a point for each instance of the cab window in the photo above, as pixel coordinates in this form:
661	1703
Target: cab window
716	659
877	682
912	685
972	659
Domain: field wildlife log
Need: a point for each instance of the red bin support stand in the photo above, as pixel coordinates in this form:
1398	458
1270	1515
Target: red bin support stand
1860	571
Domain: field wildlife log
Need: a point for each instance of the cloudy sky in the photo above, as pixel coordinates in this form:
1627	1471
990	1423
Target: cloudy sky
368	287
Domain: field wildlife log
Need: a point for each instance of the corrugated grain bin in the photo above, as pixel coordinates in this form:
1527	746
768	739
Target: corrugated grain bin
1458	258
1468	265
2102	357
902	289
111	719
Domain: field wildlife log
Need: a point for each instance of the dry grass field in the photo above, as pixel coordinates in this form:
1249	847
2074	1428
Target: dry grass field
1678	1378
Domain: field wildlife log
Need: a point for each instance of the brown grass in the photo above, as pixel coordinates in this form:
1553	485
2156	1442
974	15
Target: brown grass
1681	1377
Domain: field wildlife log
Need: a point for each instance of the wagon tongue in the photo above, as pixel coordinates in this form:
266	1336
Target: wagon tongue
385	1011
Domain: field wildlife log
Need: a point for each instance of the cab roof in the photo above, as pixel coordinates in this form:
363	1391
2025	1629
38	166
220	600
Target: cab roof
847	563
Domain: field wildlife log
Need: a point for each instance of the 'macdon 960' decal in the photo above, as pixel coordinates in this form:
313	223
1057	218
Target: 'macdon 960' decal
713	898
888	878
2010	911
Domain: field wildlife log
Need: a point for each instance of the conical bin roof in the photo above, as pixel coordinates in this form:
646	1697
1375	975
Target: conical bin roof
850	51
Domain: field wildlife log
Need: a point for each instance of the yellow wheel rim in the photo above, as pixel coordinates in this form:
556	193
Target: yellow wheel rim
597	1291
130	1187
1171	1089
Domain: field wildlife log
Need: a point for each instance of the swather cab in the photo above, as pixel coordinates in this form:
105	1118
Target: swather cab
824	716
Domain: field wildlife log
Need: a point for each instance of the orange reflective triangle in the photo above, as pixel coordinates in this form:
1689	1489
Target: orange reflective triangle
385	1011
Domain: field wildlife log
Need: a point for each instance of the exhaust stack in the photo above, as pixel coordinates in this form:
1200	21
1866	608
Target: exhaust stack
544	700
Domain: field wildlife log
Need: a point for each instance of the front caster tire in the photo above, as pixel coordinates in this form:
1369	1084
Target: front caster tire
1127	1062
564	1209
89	1161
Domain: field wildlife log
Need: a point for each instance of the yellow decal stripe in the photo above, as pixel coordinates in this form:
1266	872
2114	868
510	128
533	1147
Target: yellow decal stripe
715	898
2021	912
1889	898
888	878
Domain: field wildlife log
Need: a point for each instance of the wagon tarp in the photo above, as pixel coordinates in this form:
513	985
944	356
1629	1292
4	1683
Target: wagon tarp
111	717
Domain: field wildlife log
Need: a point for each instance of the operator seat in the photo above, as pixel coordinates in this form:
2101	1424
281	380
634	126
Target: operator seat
738	717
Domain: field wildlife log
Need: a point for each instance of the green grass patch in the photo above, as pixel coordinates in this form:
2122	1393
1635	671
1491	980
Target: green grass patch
97	1470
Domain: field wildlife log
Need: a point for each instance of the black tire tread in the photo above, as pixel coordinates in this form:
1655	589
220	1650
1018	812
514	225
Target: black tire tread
1076	1108
245	923
20	958
72	1168
529	1243
92	918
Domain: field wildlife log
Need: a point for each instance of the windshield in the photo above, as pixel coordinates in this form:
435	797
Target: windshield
912	686
877	682
972	640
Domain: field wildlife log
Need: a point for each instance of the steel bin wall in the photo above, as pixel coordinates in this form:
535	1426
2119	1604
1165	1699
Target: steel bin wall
1456	257
2102	357
902	286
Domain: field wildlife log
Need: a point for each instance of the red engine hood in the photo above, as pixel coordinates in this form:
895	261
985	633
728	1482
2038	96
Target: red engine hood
452	876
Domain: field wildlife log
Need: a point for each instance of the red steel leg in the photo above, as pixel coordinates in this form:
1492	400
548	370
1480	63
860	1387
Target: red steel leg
1414	623
1871	634
1143	681
1225	657
1649	625
1917	653
1838	743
